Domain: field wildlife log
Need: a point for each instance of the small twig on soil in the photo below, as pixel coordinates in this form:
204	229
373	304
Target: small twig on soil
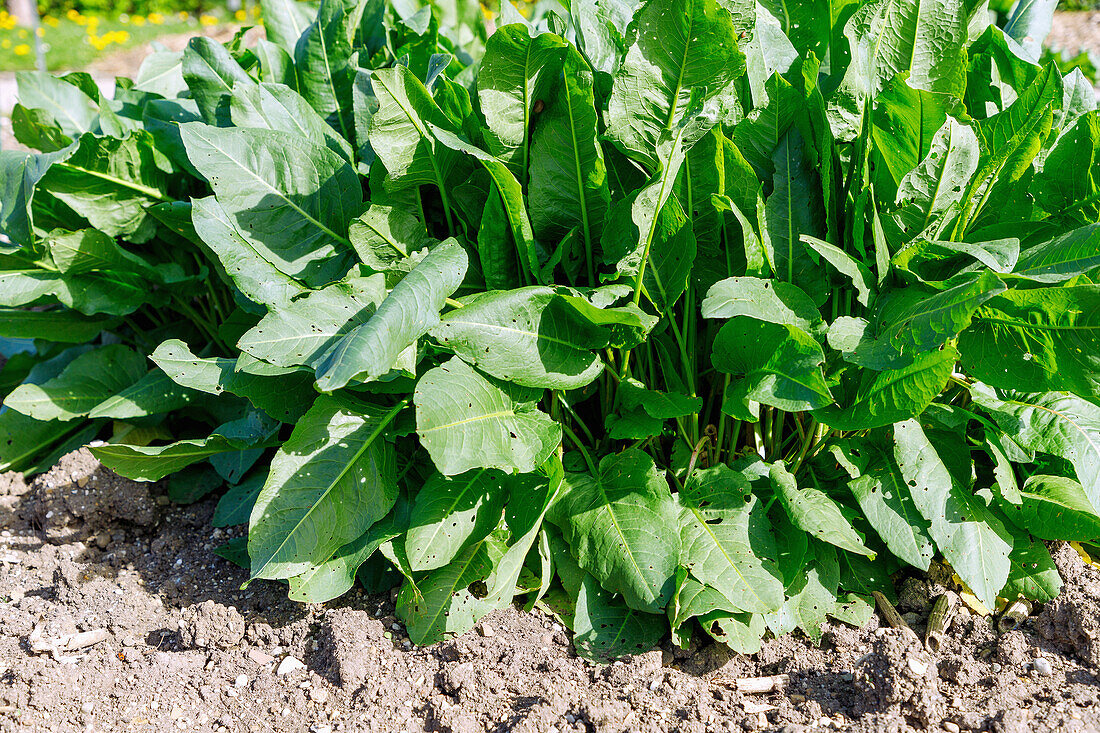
755	685
891	614
938	621
39	644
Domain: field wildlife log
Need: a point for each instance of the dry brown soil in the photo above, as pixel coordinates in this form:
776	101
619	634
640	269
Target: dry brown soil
186	649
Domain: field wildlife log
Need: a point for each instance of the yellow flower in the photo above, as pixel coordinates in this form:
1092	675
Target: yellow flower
93	22
241	16
72	14
156	18
183	15
7	23
22	33
40	32
6	43
208	20
137	19
81	20
22	49
50	21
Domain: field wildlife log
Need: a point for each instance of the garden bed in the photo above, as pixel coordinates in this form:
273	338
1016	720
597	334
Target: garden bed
82	549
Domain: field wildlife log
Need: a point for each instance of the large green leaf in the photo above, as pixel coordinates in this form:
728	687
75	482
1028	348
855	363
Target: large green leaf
528	336
370	350
89	380
331	480
1054	508
449	513
679	53
322	61
153	394
289	198
774	365
622	526
468	421
930	194
211	73
794	210
303	330
517	71
54	325
604	627
812	511
765	300
20	173
1046	339
914	322
286	20
1056	423
726	540
278	107
65	103
567	176
286	398
741	632
885	397
971	538
1061	258
811	594
880	490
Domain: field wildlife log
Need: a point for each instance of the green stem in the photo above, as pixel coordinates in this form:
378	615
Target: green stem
580	446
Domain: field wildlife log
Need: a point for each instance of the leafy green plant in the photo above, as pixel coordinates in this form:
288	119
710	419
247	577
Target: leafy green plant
652	315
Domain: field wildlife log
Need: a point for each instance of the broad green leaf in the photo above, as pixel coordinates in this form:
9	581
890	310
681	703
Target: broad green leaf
55	325
468	421
792	210
235	505
211	72
65	103
152	463
913	322
773	364
90	250
518	69
384	237
880	490
568	179
115	294
1033	573
448	514
657	404
604	627
846	265
930	194
20	173
1054	508
302	330
286	20
89	380
286	398
323	64
110	182
1040	340
765	300
336	576
153	394
971	538
811	595
288	198
1056	423
622	527
528	336
399	132
1066	175
812	511
741	632
1029	23
161	73
938	260
888	396
904	124
679	53
278	107
370	350
252	267
1061	258
726	540
332	479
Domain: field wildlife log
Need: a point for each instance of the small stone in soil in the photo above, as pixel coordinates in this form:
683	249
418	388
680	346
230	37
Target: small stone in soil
1042	666
950	727
241	681
485	629
288	665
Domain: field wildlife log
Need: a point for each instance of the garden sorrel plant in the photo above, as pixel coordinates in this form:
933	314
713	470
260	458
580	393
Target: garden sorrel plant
683	310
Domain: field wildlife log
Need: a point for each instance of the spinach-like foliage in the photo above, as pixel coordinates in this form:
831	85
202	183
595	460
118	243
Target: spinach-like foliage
692	309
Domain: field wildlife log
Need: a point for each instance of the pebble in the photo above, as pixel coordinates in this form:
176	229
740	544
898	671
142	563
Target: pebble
395	627
485	629
288	665
87	707
1042	666
916	666
318	696
260	657
995	667
241	681
320	729
950	727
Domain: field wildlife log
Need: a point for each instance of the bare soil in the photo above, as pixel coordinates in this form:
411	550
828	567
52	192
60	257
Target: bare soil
186	648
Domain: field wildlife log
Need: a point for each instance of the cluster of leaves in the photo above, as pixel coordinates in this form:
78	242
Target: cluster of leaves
688	313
